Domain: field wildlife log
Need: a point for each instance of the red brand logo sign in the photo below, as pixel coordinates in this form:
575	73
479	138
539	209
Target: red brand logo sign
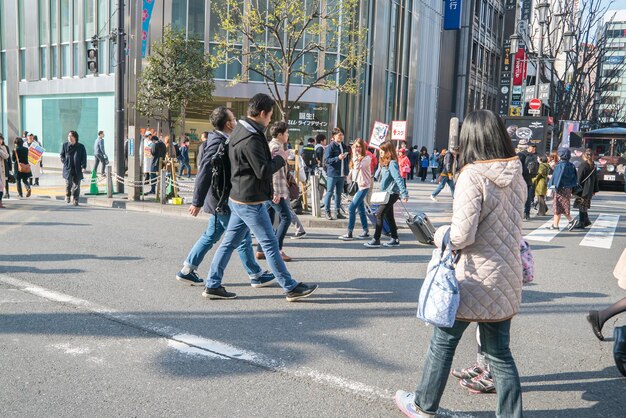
519	68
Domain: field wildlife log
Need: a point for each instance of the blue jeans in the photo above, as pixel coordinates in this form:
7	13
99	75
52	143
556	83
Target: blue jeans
333	184
182	167
216	227
442	184
243	219
530	197
358	202
284	211
494	339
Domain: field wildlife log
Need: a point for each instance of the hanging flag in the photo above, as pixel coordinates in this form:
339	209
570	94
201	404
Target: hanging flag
146	14
519	67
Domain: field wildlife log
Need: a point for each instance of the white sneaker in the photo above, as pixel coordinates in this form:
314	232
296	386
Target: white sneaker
433	198
405	401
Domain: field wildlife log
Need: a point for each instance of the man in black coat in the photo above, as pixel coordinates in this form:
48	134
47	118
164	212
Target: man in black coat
224	122
252	168
74	158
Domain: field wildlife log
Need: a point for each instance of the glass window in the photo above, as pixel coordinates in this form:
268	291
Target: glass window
179	14
21	22
233	69
75	60
393	32
196	19
42	62
65	20
3	68
54	51
65	61
112	57
62	115
601	147
22	64
53	22
619	149
43	23
102	16
90	13
2	26
75	18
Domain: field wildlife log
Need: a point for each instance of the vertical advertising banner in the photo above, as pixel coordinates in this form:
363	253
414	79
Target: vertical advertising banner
519	67
506	66
146	14
452	14
569	126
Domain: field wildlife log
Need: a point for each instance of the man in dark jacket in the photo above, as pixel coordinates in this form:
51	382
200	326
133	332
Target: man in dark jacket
158	150
74	158
337	167
224	122
530	167
252	167
309	157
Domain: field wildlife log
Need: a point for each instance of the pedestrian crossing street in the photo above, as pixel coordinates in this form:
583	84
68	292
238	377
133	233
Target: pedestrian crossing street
599	235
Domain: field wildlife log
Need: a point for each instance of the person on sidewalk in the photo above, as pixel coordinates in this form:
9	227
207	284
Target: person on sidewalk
279	204
434	164
486	228
252	168
7	167
404	164
424	161
224	122
20	156
413	159
530	168
336	158
158	152
35	169
563	180
360	172
184	159
74	158
99	153
588	180
392	183
540	183
446	175
4	163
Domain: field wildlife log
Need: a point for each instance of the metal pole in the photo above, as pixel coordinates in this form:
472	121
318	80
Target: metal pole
109	182
119	95
163	186
315	196
539	59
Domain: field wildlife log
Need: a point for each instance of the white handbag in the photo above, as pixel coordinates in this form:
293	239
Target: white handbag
380	198
439	296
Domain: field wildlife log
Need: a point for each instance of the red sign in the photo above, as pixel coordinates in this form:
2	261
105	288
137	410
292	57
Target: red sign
519	68
534	104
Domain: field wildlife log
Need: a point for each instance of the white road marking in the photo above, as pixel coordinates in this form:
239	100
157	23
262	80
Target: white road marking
68	349
543	234
193	351
602	231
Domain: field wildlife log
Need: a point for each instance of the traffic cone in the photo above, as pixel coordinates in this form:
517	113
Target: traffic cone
93	187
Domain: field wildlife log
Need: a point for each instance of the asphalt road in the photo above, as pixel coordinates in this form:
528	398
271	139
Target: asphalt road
92	323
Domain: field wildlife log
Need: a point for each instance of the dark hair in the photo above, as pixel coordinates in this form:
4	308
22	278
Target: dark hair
319	138
389	153
278	128
154	138
260	102
337	131
424	149
219	117
205	134
18	142
74	134
311	140
484	137
185	140
100	132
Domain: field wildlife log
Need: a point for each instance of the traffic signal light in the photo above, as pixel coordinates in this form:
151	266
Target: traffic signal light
92	56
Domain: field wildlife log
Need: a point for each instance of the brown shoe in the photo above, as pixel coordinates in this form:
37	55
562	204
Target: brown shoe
260	256
285	257
28	193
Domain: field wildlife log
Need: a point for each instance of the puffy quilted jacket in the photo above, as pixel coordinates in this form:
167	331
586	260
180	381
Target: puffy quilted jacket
486	226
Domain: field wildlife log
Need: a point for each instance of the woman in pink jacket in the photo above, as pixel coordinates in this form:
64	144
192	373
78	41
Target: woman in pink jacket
360	172
486	230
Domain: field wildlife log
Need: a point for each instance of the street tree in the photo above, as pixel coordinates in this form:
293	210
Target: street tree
583	75
292	46
178	72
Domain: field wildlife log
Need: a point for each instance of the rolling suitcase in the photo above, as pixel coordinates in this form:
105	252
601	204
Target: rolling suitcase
421	227
370	211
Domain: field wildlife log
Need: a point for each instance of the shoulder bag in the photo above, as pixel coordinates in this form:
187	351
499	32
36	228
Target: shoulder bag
21	167
439	296
578	190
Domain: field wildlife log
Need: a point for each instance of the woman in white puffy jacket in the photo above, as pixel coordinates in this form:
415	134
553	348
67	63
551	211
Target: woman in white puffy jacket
486	229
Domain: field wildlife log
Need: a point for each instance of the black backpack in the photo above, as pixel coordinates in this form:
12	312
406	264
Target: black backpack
220	176
532	165
309	158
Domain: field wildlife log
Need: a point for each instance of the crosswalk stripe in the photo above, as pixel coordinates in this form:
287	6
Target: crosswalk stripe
602	231
543	234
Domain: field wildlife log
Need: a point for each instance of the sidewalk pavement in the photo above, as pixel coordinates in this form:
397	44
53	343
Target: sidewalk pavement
52	186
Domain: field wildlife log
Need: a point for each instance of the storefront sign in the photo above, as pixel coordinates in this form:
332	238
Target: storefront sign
452	14
308	119
525	131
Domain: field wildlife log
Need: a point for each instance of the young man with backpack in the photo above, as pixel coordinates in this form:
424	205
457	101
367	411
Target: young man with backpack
309	157
530	168
252	168
210	194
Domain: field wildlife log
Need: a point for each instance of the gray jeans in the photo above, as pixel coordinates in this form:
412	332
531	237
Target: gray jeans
72	187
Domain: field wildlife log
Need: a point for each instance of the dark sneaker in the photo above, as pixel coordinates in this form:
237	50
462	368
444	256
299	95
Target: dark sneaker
480	384
373	243
340	216
300	291
346	237
67	199
469	373
298	235
329	216
191	278
393	242
75	202
265	279
218	293
28	193
364	235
